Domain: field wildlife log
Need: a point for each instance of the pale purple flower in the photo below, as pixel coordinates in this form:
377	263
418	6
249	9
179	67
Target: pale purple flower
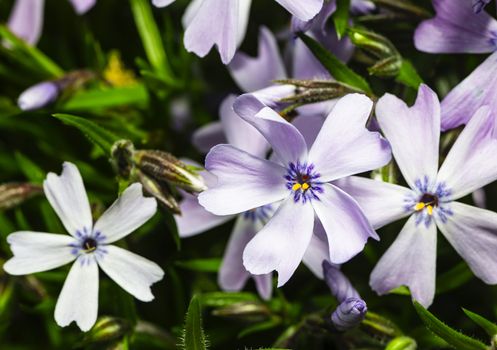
88	245
298	175
38	96
478	5
430	201
228	29
26	17
457	29
361	7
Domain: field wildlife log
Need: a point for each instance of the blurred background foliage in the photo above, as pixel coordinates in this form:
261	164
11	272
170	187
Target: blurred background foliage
156	95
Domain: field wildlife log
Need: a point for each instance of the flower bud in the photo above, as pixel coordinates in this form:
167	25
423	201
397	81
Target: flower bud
163	166
121	158
160	191
339	284
349	314
478	5
106	328
38	96
402	343
13	194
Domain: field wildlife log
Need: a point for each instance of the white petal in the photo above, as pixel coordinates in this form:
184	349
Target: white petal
131	272
37	251
129	211
67	196
78	300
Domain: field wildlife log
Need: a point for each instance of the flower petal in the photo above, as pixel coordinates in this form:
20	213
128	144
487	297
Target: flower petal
239	133
309	126
78	300
410	261
254	73
162	3
37	251
194	219
420	124
477	90
473	234
456	28
130	211
302	9
381	202
287	142
244	182
26	20
67	196
344	222
339	149
131	272
281	244
317	251
232	274
208	136
83	6
264	285
467	166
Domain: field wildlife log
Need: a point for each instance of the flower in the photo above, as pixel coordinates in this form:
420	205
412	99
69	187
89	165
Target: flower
38	96
228	31
431	199
88	245
478	5
26	18
300	178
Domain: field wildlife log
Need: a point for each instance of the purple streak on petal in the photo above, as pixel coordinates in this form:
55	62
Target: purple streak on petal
281	244
479	5
309	126
473	234
457	29
349	314
26	20
83	6
381	202
285	139
244	181
264	285
38	96
339	284
255	73
339	147
303	9
239	133
409	261
344	222
476	90
317	251
209	136
467	166
420	124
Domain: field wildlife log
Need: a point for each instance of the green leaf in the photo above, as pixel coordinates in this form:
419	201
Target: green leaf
454	278
341	17
32	171
337	68
451	336
151	39
260	327
107	98
488	326
408	75
95	133
223	299
193	337
202	265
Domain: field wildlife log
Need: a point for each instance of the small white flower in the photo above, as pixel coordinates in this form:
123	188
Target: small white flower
88	244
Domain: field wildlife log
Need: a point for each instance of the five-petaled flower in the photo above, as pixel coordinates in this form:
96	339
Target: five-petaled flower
430	200
301	179
89	245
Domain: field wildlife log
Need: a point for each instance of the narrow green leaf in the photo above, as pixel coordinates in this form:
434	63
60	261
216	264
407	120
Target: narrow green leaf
193	337
32	171
451	336
223	299
99	136
107	98
260	327
151	39
341	17
488	326
337	69
408	75
202	265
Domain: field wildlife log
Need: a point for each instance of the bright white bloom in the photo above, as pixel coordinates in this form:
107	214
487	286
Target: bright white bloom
89	245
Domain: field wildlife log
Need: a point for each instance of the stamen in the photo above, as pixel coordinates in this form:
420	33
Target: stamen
296	187
305	186
419	206
89	245
430	210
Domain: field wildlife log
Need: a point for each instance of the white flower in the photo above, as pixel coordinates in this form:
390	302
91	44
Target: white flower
89	245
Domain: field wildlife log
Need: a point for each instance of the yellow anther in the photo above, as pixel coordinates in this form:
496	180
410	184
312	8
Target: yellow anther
305	186
296	187
430	210
419	206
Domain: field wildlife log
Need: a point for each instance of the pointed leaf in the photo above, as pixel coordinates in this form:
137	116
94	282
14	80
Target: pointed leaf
193	337
408	75
341	17
488	326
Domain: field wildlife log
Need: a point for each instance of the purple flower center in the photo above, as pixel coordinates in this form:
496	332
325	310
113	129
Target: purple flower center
303	181
263	213
87	243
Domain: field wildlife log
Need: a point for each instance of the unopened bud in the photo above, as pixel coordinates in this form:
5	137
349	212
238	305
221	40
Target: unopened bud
349	314
386	68
106	328
121	158
339	284
38	96
376	44
402	343
13	194
163	166
160	191
478	5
